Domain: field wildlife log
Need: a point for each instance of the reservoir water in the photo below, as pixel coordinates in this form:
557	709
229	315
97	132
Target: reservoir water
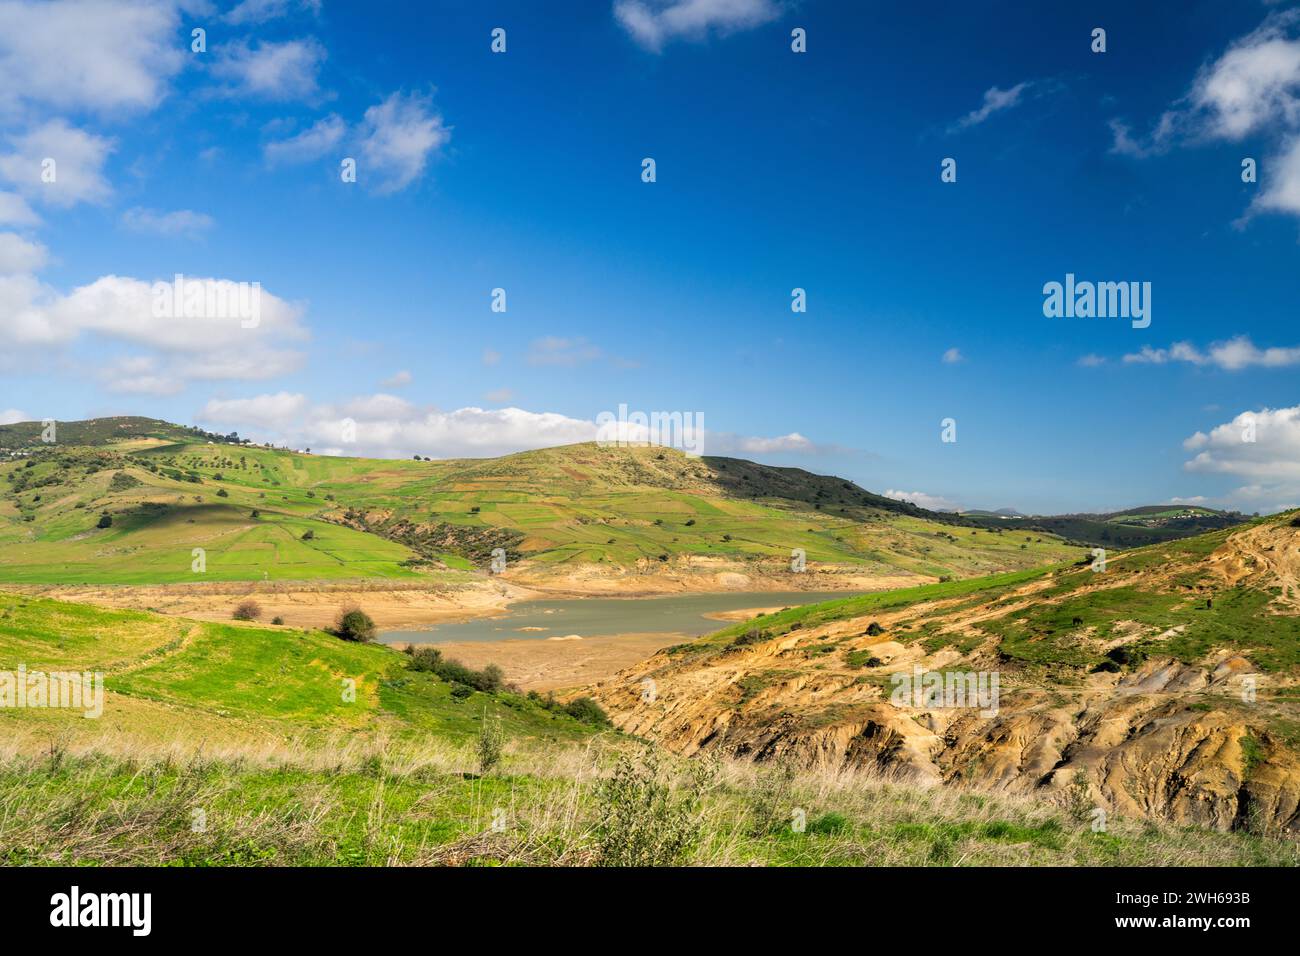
598	617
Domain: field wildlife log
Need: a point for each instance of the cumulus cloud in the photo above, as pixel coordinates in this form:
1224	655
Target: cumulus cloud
102	55
923	500
654	23
396	140
397	379
78	170
1091	360
9	416
1251	90
270	71
14	211
953	356
312	143
17	255
168	350
995	101
1261	448
179	222
1231	356
389	426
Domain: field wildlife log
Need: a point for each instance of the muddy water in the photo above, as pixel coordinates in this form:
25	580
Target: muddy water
603	617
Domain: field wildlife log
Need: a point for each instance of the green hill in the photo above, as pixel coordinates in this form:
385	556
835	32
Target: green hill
133	504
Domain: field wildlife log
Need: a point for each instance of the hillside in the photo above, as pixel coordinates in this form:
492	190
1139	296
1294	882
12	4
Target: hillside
132	506
236	745
1131	528
1163	686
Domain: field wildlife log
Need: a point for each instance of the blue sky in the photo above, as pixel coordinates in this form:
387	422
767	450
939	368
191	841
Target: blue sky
775	170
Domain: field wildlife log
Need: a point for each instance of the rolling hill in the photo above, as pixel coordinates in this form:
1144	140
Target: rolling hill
131	505
1163	685
1131	528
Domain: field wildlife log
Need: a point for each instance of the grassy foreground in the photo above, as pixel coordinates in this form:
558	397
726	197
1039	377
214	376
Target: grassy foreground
375	805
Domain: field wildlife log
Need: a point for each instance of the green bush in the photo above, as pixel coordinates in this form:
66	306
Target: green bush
105	521
642	819
587	711
354	624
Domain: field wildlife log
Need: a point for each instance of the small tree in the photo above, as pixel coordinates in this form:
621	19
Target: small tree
354	624
247	611
491	740
308	535
105	521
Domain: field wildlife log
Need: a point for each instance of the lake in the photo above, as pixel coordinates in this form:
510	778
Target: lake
599	617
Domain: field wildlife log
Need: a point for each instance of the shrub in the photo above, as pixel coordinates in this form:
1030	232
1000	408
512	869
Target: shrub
874	629
587	711
489	680
222	493
277	620
308	535
122	481
752	636
354	624
491	739
105	521
642	819
460	692
247	611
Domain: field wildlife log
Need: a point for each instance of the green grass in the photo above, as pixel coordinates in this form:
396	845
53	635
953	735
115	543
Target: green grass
231	680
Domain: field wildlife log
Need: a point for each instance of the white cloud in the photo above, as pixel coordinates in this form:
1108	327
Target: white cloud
491	357
391	427
78	164
1252	90
9	416
953	356
1231	356
180	222
568	353
270	71
169	352
261	11
1091	360
499	396
102	55
1281	182
386	426
923	500
1192	500
397	379
310	144
1270	463
735	444
18	255
653	23
14	211
397	138
995	100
